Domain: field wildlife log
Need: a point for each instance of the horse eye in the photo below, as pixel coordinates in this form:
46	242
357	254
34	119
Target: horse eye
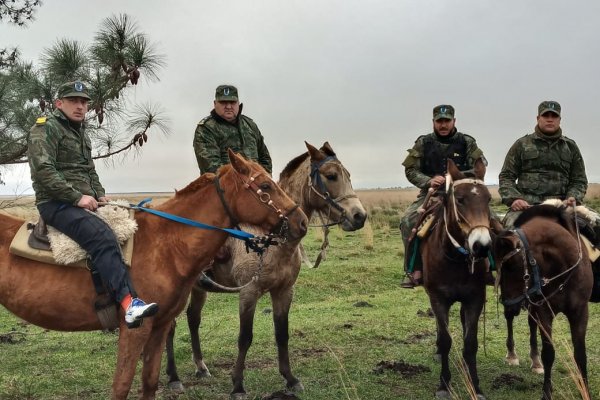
331	177
265	186
459	200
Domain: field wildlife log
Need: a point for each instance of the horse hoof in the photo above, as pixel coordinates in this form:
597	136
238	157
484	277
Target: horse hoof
481	397
297	388
238	396
204	373
537	370
513	362
442	394
437	358
176	387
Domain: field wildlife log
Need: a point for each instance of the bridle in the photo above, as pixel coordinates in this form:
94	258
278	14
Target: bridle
465	226
316	186
533	281
260	243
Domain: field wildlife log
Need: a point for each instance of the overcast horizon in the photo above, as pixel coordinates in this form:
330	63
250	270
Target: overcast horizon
363	76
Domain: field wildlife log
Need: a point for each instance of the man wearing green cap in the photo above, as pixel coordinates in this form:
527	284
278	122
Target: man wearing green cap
425	167
67	186
226	128
542	165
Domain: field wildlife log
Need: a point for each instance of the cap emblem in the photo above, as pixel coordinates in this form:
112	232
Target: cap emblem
78	86
226	91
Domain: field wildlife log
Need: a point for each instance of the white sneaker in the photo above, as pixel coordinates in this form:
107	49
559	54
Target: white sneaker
137	311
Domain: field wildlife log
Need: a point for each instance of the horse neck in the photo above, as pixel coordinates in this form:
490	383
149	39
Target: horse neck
189	246
296	186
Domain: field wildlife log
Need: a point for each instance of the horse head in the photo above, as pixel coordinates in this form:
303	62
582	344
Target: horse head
261	201
331	190
467	208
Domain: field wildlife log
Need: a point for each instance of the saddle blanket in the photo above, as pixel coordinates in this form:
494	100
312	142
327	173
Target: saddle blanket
66	252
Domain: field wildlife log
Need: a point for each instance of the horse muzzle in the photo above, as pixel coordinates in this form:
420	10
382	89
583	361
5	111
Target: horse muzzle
479	241
293	226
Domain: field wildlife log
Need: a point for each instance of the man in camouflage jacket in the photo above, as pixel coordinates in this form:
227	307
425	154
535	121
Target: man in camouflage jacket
542	165
67	187
425	167
225	128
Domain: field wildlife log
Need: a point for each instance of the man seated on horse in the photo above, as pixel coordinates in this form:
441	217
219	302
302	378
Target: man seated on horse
425	167
542	165
226	128
67	187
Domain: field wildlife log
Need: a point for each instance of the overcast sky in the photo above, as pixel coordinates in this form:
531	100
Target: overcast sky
363	75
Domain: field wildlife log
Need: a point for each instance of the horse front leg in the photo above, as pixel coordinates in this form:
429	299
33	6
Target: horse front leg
534	355
174	383
548	353
509	315
153	350
441	309
578	323
194	318
471	313
131	343
247	307
282	301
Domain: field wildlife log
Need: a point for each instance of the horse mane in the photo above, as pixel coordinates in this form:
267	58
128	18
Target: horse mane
557	214
292	166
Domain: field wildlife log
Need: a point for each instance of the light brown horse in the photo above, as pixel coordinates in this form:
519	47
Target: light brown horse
545	269
167	259
455	264
317	181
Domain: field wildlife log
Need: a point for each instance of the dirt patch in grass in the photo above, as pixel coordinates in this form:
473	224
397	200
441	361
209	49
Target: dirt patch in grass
11	338
418	337
511	381
400	367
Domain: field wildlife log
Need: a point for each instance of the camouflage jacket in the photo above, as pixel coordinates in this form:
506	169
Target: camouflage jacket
214	136
60	160
537	168
415	163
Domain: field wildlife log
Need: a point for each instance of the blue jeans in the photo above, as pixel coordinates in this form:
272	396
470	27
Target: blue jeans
97	239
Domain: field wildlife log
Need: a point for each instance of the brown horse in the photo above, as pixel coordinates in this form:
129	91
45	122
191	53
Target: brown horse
167	258
544	269
318	181
454	266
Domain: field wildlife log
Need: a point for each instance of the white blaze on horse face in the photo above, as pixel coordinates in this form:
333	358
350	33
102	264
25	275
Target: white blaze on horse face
475	191
479	235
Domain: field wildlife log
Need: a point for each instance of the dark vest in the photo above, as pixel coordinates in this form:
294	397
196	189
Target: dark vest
435	157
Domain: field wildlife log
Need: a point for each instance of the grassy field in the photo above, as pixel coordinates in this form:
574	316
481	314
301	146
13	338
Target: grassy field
354	335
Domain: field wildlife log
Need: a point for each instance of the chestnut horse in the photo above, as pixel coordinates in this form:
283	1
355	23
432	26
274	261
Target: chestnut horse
544	268
167	259
454	266
317	181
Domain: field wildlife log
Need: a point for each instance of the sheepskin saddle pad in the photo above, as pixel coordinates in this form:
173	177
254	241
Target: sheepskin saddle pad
63	250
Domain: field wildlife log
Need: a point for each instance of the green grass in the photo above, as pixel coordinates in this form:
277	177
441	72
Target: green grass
335	345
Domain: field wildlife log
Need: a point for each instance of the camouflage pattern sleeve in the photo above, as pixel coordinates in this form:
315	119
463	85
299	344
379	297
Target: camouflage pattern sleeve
264	158
508	175
474	153
412	166
577	178
42	153
95	179
208	152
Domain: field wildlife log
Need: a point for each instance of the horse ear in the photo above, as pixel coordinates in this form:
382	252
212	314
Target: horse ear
326	148
238	163
315	154
479	169
453	170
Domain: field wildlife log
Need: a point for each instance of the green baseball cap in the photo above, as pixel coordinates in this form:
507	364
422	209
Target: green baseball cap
549	106
443	111
73	89
226	93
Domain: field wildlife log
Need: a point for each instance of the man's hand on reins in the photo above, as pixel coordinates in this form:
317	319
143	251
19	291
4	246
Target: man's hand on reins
519	205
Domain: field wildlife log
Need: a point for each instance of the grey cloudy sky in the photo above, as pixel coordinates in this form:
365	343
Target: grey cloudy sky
363	75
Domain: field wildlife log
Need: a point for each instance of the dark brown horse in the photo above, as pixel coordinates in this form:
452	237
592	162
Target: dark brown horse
317	181
454	266
545	269
167	259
